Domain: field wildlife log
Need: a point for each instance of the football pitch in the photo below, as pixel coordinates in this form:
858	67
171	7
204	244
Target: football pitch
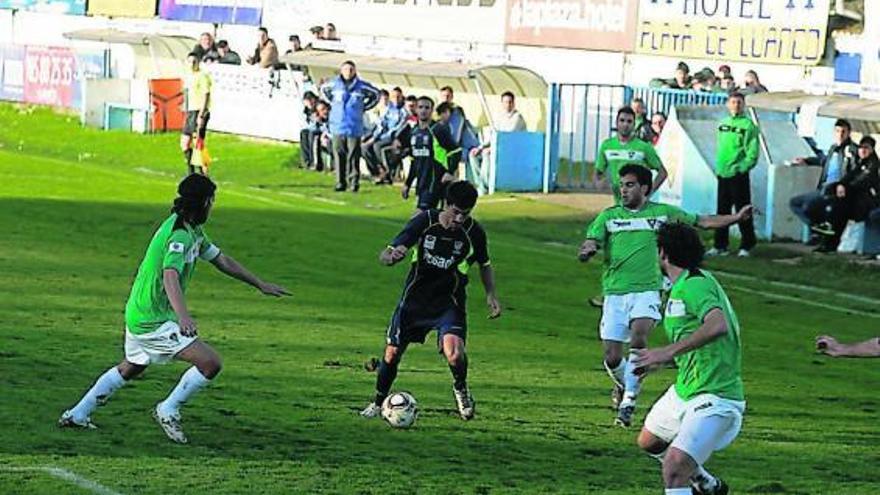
78	207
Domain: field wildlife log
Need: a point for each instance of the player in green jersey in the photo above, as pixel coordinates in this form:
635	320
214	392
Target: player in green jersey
158	326
632	280
701	412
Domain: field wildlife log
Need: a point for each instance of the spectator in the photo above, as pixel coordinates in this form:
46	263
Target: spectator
509	120
266	53
706	81
658	122
643	127
410	106
457	120
349	98
374	116
752	84
309	130
198	112
294	46
737	156
854	196
827	344
322	141
724	71
682	79
728	84
204	46
330	32
839	161
444	112
393	119
227	56
317	32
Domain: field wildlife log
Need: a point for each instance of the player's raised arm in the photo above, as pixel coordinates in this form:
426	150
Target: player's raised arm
719	221
234	269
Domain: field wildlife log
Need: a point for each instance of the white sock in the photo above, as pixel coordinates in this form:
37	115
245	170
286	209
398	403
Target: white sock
704	479
616	374
632	384
191	382
103	388
679	491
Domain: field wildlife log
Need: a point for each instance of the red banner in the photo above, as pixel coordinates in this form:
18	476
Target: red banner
50	76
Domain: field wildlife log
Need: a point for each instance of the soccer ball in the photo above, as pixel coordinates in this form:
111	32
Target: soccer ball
400	410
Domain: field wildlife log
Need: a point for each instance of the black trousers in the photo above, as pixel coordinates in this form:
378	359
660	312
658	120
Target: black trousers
856	205
306	140
347	158
734	193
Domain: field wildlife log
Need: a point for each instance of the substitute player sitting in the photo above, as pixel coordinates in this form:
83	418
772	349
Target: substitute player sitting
702	412
631	282
158	326
447	242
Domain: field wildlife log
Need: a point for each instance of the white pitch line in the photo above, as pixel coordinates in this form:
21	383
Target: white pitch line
830	307
63	474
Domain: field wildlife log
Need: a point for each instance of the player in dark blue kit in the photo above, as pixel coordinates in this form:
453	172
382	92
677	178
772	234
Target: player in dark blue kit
433	156
447	242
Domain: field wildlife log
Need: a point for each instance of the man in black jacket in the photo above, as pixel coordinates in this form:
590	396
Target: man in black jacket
839	161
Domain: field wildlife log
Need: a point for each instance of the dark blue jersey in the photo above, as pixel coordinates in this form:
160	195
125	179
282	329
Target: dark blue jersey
441	259
430	149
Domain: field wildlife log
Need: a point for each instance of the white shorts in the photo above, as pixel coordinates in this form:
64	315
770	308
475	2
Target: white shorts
156	347
619	310
700	426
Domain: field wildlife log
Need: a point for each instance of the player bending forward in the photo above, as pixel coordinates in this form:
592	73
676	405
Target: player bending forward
447	242
631	282
702	412
158	326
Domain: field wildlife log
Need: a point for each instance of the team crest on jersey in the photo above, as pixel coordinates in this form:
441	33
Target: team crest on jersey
430	241
675	308
456	247
176	247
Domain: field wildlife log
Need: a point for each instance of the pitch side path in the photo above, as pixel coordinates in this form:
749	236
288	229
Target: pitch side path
77	208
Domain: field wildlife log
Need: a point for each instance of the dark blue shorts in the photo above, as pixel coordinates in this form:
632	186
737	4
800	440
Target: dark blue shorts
410	325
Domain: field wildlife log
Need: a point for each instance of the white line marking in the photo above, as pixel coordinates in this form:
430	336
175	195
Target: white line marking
496	200
316	198
65	475
783	297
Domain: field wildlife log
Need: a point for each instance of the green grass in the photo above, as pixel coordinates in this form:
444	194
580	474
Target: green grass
77	208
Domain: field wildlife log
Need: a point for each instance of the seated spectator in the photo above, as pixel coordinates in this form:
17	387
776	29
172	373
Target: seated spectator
317	33
295	44
706	81
309	129
854	196
752	84
266	53
643	126
658	122
322	141
373	116
840	160
227	56
509	120
682	79
330	32
393	119
204	46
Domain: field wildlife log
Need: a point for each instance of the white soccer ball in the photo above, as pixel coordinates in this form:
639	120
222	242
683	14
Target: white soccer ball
400	410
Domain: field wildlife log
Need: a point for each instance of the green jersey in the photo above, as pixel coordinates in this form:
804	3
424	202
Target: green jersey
148	306
613	155
629	239
737	146
714	368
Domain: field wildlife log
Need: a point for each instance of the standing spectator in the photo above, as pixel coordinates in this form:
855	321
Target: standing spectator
854	196
724	71
658	122
389	125
752	84
839	161
266	53
509	120
728	84
643	126
737	156
295	44
682	79
410	106
323	141
198	106
457	120
227	56
317	32
330	32
205	46
349	98
309	130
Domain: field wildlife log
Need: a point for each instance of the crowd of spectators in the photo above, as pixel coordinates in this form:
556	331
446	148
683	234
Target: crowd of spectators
264	55
709	81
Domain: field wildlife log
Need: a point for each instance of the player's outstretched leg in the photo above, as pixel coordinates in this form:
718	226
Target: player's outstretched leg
639	330
615	366
79	416
206	365
454	350
385	375
701	481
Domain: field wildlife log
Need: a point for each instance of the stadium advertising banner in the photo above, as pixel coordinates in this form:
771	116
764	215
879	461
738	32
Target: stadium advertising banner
12	72
585	24
53	76
766	31
69	7
213	11
122	8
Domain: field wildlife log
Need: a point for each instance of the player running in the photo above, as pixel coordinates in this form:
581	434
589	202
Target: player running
631	282
158	326
447	242
702	412
432	147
